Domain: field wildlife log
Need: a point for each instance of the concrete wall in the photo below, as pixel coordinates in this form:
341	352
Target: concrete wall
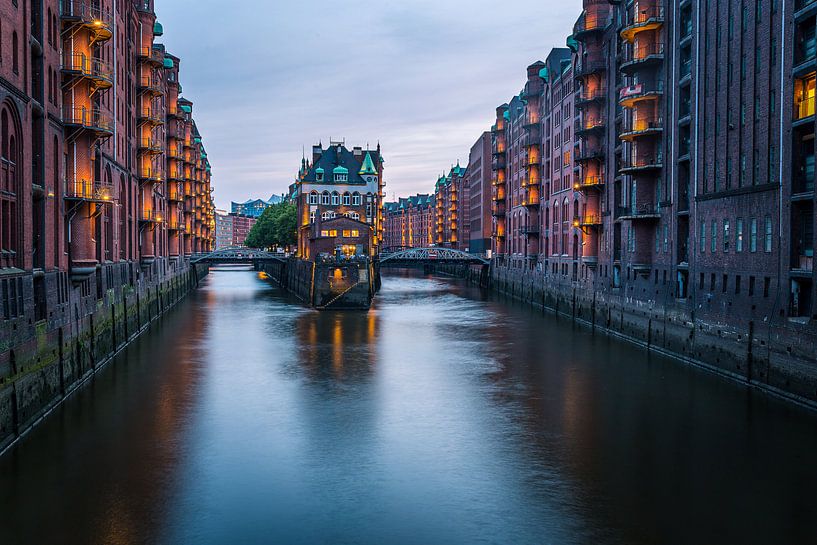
42	362
772	353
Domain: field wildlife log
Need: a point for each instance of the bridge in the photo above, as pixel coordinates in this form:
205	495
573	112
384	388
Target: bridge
425	256
236	255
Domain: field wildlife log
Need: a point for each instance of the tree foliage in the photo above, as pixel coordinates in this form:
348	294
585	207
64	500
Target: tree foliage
276	227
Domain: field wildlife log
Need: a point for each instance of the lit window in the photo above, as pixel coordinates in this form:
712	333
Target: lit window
324	233
347	233
355	233
739	235
333	232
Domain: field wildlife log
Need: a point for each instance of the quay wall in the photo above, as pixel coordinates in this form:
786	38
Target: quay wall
763	350
55	336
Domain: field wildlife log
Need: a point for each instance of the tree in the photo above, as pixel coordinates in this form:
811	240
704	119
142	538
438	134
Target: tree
277	226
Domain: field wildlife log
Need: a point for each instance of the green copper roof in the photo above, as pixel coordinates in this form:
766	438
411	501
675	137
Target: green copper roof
340	170
319	170
157	29
368	165
187	108
168	63
197	140
572	44
543	73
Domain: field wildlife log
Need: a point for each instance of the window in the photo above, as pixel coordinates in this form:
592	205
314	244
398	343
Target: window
355	233
767	239
312	217
703	238
666	239
324	233
319	175
333	232
753	235
15	54
347	199
313	197
725	236
739	235
713	244
347	233
335	199
325	197
355	199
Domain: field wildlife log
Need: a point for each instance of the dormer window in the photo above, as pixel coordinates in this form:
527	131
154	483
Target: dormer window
341	174
319	174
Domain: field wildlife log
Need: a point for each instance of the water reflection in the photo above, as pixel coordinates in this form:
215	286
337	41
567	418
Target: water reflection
444	415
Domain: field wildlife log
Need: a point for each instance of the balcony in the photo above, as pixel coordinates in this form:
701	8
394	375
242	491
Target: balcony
150	146
175	192
587	220
88	191
638	127
151	85
586	96
152	55
637	58
630	95
498	163
498	209
804	8
78	65
529	230
150	116
803	107
149	216
93	120
644	211
643	162
590	23
589	124
649	18
150	175
175	153
588	153
588	68
84	13
588	182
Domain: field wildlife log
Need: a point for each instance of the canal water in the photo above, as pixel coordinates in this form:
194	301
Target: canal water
444	415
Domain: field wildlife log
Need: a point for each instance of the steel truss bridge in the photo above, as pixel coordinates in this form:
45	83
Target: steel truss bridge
228	256
427	256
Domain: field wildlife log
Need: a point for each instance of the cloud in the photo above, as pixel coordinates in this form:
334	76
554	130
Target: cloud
422	77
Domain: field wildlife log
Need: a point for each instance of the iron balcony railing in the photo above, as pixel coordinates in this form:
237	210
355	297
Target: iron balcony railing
591	22
585	182
639	211
588	123
586	68
590	95
642	125
86	13
637	15
89	67
87	190
803	107
587	220
151	84
637	54
151	175
643	161
152	55
152	116
92	119
150	145
629	94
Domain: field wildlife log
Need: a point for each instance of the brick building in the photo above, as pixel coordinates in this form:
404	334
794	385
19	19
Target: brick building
339	195
409	222
677	157
102	162
478	181
224	229
452	209
241	228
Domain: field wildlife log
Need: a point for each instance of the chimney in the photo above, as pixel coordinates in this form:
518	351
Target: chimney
317	151
357	151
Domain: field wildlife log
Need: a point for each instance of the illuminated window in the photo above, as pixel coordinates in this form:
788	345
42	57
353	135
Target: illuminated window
347	233
324	233
355	233
333	232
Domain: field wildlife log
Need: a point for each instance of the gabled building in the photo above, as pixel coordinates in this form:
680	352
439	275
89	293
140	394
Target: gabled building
409	223
451	195
339	198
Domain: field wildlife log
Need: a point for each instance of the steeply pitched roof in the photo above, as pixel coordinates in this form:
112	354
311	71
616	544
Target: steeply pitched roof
336	159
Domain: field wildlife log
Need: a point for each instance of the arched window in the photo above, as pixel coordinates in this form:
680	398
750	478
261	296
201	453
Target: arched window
335	198
9	189
347	199
312	216
313	197
356	199
325	197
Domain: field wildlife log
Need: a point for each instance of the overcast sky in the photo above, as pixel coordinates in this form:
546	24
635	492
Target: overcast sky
423	77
